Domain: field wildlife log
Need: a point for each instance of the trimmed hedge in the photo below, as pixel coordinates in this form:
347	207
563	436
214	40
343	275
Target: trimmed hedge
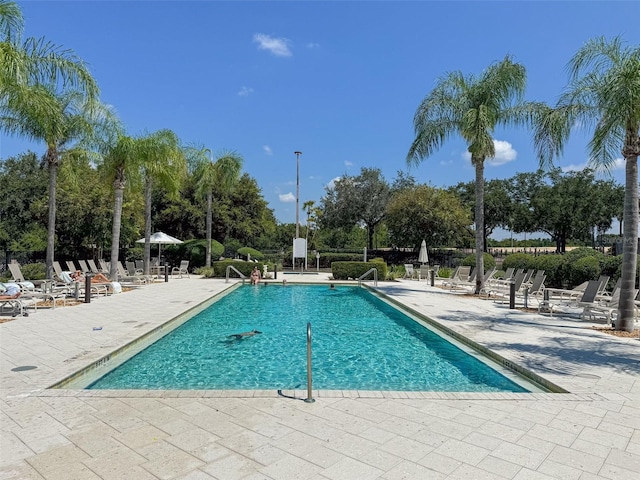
258	255
489	261
570	269
220	267
353	270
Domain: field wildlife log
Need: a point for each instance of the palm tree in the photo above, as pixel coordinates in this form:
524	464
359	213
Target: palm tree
121	164
163	162
471	107
70	125
604	92
36	61
223	174
308	207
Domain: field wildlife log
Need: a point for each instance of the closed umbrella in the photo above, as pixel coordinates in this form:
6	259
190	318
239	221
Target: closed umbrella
423	257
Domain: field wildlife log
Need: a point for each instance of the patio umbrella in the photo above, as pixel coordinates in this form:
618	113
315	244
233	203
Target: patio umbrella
422	256
161	238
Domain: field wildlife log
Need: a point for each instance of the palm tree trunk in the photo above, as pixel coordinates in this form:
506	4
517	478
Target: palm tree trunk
207	261
115	229
479	164
626	306
51	229
147	226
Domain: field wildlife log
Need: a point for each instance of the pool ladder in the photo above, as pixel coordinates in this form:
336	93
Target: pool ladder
231	267
375	276
309	398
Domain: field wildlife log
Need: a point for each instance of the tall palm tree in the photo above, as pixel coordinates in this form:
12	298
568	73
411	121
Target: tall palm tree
222	174
70	125
308	207
471	107
36	61
163	162
604	93
121	164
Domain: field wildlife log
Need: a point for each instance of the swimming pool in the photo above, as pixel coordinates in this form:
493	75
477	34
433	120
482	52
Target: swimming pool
359	343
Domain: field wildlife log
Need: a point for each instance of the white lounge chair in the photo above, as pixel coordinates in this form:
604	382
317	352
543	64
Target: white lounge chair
183	269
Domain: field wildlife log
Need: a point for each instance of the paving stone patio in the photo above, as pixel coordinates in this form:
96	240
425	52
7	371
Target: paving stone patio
593	432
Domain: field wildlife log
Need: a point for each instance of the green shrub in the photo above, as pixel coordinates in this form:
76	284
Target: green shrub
206	272
519	260
553	269
251	251
353	270
611	266
583	269
220	267
445	272
470	260
34	271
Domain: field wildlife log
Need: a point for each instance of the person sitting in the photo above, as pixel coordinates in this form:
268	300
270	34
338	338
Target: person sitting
255	276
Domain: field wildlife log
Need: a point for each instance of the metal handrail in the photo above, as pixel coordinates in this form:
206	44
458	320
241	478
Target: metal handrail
231	267
309	398
375	276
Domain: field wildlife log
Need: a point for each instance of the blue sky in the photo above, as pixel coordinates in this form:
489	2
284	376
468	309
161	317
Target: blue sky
338	81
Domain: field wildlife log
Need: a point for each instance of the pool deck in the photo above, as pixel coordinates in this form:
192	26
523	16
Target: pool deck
592	432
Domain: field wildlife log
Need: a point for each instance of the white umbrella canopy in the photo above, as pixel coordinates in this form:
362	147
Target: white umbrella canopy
423	257
161	238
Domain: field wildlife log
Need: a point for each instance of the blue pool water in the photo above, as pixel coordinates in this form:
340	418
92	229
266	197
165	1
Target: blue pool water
359	343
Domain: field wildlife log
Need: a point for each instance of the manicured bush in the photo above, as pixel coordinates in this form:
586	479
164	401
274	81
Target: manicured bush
220	267
445	272
489	261
583	269
251	251
206	272
34	271
553	269
353	270
519	260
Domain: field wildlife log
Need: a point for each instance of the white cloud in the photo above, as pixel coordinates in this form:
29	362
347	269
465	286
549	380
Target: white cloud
276	46
287	197
313	45
504	153
617	164
574	167
347	163
245	91
332	182
267	149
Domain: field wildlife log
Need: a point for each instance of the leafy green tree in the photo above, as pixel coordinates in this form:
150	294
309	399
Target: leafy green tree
604	92
497	207
426	213
23	185
361	199
244	213
223	174
163	162
471	107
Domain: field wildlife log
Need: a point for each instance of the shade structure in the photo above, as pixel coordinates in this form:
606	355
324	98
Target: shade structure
161	238
423	257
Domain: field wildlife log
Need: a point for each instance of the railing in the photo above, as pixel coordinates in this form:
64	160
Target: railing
309	398
375	276
231	267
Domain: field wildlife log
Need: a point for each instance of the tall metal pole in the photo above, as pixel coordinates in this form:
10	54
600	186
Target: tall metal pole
297	193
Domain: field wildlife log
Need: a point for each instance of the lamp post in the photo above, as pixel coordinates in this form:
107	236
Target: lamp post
297	193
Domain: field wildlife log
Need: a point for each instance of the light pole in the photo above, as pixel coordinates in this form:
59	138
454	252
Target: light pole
297	193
